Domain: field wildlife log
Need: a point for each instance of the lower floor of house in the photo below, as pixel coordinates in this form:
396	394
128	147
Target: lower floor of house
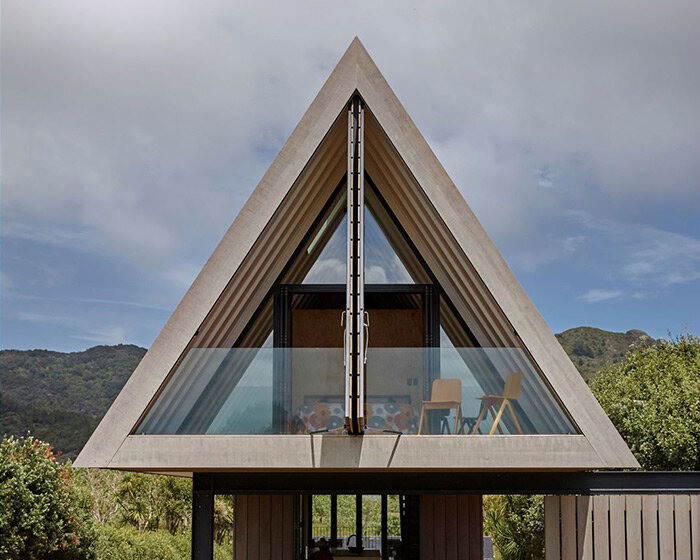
412	516
324	526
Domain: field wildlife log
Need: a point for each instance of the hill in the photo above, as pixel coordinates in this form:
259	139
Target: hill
60	397
591	349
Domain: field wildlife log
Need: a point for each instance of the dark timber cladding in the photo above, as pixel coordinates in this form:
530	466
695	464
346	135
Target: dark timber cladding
202	524
355	309
553	482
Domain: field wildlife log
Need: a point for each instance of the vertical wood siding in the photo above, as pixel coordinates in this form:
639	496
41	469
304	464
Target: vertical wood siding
263	527
451	527
633	527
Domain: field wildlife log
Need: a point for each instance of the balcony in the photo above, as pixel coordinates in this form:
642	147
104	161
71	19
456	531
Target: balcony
464	392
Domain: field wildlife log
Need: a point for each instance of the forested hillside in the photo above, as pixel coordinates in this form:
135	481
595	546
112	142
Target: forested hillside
592	349
60	397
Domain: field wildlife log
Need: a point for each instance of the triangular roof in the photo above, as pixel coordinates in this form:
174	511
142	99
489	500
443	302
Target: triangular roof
263	236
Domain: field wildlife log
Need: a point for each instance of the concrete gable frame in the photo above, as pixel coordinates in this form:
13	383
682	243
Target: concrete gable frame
261	240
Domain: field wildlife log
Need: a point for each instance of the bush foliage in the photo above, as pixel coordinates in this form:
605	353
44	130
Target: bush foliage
44	513
653	398
126	543
52	511
516	524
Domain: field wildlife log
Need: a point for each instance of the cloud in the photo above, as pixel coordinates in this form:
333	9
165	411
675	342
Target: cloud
88	301
6	282
134	131
182	275
665	258
45	318
326	270
152	122
536	250
641	254
106	335
598	295
375	275
78	327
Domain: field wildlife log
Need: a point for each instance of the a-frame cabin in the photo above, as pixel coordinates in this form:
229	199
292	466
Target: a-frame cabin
355	331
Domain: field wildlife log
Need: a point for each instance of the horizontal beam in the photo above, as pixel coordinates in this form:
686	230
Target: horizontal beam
336	452
369	288
344	482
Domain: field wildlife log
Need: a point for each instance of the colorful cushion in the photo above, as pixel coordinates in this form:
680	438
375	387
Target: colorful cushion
398	417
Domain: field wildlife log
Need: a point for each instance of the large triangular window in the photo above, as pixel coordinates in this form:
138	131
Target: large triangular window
428	370
448	340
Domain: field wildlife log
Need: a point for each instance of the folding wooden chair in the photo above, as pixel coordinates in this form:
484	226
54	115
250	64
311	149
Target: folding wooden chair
446	394
511	392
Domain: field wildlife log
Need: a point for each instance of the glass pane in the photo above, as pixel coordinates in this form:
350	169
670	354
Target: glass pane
321	517
394	522
465	391
327	248
372	525
382	264
251	391
453	331
301	391
389	256
347	527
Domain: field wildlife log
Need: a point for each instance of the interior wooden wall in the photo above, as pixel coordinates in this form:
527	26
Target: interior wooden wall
322	377
263	527
617	527
451	527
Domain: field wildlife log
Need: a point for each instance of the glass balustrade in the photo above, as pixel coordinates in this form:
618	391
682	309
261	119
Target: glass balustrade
459	391
438	391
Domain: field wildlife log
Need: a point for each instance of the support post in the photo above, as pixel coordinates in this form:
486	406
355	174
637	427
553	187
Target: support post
385	526
334	520
308	515
358	522
202	524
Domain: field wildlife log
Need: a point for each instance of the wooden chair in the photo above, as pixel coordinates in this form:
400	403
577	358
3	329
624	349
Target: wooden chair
446	394
511	392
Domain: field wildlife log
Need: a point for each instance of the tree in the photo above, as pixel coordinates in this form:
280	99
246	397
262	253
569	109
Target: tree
175	500
223	520
516	524
102	485
653	398
137	496
44	513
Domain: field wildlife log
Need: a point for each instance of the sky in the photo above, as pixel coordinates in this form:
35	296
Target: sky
134	131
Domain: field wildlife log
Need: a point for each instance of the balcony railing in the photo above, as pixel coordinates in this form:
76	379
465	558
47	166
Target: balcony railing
437	391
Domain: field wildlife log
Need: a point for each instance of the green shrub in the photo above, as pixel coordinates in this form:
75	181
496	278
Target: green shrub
516	524
44	513
653	398
126	543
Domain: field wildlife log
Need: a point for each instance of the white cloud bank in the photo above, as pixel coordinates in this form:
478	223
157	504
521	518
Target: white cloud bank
136	130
